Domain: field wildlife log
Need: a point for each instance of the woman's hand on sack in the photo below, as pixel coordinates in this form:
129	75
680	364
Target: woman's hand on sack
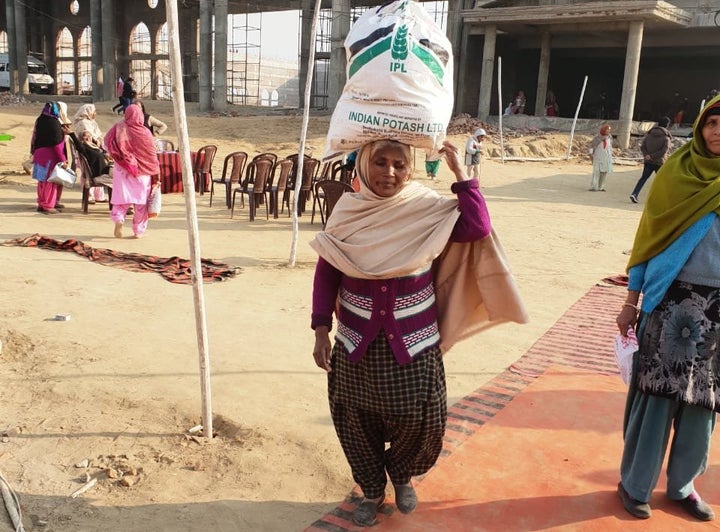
452	158
155	179
322	349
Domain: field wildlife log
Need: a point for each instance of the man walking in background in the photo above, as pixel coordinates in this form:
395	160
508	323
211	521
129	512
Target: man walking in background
654	147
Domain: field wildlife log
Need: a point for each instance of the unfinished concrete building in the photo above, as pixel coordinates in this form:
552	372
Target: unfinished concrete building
642	58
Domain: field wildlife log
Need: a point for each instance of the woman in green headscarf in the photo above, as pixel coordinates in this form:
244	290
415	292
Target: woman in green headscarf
675	265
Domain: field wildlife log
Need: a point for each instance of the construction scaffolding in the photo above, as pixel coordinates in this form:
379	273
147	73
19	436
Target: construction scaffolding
244	59
323	43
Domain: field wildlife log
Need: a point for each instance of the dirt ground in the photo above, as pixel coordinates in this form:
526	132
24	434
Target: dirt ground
111	393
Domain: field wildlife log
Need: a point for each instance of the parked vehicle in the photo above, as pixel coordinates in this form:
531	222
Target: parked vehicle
39	79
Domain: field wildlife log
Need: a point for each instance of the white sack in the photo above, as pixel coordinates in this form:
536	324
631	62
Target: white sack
399	81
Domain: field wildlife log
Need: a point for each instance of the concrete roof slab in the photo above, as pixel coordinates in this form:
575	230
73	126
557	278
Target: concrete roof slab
531	19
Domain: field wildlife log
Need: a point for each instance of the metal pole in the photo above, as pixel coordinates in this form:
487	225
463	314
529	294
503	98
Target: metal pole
500	111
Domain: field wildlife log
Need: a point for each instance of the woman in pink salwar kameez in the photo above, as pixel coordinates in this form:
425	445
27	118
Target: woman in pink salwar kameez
48	148
132	147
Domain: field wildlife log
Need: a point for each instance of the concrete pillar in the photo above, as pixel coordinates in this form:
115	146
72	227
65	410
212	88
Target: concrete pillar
109	68
205	66
221	17
12	45
306	18
98	74
457	35
338	60
542	84
21	47
632	66
153	30
486	75
188	27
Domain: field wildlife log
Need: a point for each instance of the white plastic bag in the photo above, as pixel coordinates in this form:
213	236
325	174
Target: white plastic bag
399	81
62	176
625	348
154	201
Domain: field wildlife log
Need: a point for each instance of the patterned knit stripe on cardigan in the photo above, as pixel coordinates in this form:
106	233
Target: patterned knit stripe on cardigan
403	307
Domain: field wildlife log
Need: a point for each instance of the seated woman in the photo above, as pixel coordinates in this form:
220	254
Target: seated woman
84	122
97	158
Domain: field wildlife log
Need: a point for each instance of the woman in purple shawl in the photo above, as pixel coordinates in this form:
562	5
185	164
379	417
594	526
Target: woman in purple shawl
48	149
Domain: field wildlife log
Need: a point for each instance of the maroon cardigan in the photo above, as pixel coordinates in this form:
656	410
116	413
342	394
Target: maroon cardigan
404	307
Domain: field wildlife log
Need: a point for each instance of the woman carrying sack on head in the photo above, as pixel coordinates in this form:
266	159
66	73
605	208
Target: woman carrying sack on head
375	271
132	147
48	149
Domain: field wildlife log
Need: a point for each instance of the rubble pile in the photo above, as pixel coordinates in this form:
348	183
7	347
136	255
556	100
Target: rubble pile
534	143
7	99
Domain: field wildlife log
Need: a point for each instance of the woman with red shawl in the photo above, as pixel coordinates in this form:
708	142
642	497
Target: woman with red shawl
48	148
132	147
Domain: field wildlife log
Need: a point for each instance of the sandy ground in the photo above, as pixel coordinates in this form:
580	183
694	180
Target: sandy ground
113	391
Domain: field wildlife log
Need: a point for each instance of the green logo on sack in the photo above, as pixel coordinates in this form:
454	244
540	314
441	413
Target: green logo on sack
399	49
400	44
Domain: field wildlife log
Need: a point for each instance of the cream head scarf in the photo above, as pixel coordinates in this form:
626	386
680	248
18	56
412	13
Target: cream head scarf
372	237
62	114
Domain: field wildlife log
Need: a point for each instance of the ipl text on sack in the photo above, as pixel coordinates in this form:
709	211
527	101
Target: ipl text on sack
394	123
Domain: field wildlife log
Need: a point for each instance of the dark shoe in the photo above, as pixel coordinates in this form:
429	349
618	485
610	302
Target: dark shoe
47	211
697	507
633	198
366	512
405	498
59	206
641	510
39	209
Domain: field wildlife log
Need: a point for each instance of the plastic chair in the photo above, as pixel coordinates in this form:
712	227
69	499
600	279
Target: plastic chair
310	167
202	167
267	155
327	193
344	173
277	190
164	145
233	169
256	185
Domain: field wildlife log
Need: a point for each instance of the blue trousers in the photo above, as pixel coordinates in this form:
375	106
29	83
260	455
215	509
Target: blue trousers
648	421
648	169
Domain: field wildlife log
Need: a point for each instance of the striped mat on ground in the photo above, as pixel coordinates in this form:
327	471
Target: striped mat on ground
173	269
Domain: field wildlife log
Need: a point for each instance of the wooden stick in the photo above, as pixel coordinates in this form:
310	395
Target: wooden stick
82	489
577	112
12	504
501	104
303	134
178	93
